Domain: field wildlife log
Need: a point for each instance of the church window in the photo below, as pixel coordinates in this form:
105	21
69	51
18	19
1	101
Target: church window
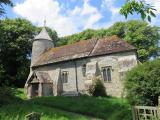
65	77
84	70
106	72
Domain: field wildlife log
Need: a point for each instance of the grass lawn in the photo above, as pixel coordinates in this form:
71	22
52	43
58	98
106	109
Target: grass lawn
18	112
105	108
60	108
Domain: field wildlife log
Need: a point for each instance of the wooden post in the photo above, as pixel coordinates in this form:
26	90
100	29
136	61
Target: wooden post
133	113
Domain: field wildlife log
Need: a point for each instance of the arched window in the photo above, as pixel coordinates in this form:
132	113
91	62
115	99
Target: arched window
84	70
106	72
109	74
65	77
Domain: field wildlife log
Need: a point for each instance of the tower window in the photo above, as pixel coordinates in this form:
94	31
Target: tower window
106	72
65	77
84	70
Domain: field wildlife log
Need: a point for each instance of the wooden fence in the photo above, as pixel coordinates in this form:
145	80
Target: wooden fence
146	112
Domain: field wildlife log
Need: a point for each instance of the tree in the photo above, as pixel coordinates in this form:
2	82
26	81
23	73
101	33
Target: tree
139	34
15	46
15	50
143	84
2	3
140	7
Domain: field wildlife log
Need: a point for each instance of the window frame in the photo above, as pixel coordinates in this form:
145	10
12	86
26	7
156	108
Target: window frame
65	76
107	75
84	70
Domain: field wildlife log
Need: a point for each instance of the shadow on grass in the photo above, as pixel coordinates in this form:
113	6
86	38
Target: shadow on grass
105	108
18	112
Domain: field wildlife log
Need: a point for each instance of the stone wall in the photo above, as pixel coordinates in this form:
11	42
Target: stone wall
120	63
39	47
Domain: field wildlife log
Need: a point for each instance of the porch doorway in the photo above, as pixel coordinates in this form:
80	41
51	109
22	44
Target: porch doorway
35	89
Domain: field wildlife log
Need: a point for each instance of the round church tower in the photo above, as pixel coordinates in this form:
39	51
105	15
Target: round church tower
41	43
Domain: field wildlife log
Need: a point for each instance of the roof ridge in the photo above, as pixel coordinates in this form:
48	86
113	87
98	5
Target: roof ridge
95	45
81	41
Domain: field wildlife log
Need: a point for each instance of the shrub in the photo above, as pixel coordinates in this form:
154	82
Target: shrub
97	88
143	83
7	96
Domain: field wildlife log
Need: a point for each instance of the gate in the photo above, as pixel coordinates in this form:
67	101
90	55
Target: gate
146	112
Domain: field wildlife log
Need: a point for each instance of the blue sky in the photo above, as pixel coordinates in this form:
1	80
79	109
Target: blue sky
72	16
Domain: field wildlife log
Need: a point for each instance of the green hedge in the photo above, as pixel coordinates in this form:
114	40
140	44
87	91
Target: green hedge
143	83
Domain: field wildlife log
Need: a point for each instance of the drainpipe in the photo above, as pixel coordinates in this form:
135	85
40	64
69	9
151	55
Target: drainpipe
75	64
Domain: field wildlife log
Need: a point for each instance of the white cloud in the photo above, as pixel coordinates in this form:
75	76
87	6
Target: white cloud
156	4
109	5
64	22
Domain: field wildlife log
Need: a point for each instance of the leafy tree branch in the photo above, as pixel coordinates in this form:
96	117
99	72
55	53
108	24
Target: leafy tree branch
140	7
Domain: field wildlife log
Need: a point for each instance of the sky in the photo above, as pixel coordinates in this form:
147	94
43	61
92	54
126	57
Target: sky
73	16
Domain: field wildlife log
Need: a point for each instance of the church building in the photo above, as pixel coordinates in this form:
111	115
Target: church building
70	69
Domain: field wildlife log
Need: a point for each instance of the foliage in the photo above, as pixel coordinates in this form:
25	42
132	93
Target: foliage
97	88
15	50
138	33
7	96
140	7
85	35
4	2
142	83
20	93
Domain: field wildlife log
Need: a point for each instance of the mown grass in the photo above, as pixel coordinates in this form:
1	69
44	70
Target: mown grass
18	112
105	108
54	108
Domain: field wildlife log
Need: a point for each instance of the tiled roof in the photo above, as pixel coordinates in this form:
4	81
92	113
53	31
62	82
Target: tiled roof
37	76
92	47
43	77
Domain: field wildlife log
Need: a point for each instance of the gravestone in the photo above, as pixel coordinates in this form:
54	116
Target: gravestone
33	116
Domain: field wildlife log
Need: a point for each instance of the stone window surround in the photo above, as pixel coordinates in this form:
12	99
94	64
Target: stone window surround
64	76
84	70
106	68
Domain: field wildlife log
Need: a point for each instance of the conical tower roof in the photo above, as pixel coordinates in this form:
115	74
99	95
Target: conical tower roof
43	35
